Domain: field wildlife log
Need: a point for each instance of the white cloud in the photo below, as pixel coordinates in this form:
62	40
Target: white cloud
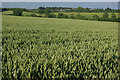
59	0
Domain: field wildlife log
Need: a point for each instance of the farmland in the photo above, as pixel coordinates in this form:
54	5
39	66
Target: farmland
36	47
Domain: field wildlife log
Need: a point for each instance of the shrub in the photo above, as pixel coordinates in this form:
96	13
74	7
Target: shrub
17	12
62	15
41	10
46	11
65	16
39	16
96	17
50	15
79	16
4	9
105	15
33	15
104	19
113	16
72	16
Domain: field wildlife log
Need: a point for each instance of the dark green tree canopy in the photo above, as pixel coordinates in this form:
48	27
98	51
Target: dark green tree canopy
50	15
113	15
47	11
62	15
79	16
80	9
108	10
17	12
41	10
105	15
95	16
33	15
72	16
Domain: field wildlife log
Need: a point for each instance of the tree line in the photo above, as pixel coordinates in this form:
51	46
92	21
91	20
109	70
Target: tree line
66	9
79	9
48	13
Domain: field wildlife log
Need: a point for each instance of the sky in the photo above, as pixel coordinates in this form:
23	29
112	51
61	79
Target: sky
59	0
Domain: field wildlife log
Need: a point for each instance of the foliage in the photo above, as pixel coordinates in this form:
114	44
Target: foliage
79	9
72	16
108	10
33	15
79	16
104	19
50	15
41	10
113	16
62	15
96	17
17	12
4	9
47	11
105	15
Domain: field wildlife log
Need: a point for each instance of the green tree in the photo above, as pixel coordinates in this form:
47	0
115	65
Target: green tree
113	16
60	15
80	9
96	17
41	10
105	15
50	15
33	15
79	16
72	16
17	12
108	10
4	9
47	11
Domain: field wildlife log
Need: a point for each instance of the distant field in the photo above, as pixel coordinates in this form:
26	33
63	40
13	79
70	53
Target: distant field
7	12
29	13
59	48
24	13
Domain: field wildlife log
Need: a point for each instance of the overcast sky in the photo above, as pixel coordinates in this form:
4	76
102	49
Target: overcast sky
59	0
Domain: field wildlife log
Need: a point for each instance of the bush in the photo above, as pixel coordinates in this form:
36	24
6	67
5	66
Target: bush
115	19
39	16
72	16
62	15
47	11
17	12
33	15
105	15
113	16
96	17
41	10
79	16
4	9
104	19
50	15
65	16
